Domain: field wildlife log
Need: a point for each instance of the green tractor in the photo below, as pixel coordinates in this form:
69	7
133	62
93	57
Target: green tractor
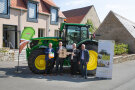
69	33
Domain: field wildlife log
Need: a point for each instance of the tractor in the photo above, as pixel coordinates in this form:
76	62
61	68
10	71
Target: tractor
69	33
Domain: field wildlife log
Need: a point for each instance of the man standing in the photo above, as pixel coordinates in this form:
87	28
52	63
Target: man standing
59	61
74	60
84	59
49	52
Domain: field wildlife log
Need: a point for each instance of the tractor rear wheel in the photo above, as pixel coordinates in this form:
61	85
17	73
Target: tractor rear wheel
36	61
92	64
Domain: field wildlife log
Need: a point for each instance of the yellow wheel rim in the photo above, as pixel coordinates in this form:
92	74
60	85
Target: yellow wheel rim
40	62
92	64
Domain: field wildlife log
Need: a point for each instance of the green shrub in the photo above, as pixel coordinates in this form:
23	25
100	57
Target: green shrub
120	49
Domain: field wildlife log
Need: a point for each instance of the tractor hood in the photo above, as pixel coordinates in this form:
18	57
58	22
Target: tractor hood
47	38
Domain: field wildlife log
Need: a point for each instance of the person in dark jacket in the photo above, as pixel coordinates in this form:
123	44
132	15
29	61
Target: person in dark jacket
84	59
59	61
74	60
49	57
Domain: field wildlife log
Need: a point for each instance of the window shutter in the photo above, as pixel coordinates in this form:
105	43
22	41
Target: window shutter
3	6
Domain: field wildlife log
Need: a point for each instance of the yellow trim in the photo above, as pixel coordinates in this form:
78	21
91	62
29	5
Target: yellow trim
40	62
92	64
50	39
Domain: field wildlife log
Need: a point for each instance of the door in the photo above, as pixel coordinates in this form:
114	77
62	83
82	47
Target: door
10	36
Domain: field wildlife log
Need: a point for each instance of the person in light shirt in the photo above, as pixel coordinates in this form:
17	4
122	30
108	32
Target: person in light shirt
49	59
84	59
59	61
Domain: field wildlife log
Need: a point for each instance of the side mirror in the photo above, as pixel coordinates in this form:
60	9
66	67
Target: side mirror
98	35
91	36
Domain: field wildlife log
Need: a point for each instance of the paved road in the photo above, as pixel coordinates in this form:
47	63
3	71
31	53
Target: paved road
123	79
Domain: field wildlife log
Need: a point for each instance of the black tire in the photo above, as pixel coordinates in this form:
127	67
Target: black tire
92	47
31	61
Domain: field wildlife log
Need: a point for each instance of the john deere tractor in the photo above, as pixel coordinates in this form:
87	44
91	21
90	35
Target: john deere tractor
69	33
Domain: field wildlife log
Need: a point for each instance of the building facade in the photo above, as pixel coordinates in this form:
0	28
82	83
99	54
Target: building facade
43	15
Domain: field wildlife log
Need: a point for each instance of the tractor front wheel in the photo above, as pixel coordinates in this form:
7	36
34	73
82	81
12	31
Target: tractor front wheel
92	64
36	61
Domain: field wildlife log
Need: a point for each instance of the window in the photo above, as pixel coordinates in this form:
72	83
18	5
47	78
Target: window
32	12
84	33
4	8
56	33
73	34
54	16
41	33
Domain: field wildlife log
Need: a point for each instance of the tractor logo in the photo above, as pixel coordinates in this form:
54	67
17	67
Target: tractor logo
28	33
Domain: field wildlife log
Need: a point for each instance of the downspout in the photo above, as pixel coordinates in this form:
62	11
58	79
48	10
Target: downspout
20	26
48	26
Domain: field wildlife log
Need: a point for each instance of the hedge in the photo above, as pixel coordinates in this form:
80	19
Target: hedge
120	49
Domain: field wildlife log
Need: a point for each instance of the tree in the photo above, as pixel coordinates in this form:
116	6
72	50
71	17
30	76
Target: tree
92	29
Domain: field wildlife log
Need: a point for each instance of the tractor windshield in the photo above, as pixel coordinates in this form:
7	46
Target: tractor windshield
76	33
73	34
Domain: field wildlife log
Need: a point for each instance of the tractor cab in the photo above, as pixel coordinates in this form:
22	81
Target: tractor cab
74	33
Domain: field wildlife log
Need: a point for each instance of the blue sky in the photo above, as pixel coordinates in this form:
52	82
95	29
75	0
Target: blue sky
125	8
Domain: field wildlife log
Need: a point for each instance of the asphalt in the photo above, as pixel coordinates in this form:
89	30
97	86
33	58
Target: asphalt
123	79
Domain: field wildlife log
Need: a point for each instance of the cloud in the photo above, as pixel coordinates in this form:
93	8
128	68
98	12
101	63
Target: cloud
123	10
109	6
78	2
118	7
121	7
71	4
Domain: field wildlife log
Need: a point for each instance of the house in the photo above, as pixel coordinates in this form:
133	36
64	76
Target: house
43	15
118	28
81	15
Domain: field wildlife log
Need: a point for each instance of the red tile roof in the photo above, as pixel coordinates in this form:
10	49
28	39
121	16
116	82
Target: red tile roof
50	2
17	4
42	8
61	14
44	5
76	15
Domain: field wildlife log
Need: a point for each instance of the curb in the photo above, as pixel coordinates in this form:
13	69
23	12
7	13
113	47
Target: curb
120	59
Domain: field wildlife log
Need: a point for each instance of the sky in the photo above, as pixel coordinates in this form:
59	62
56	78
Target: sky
125	8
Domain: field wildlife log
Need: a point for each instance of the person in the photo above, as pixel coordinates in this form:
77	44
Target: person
84	59
74	60
49	52
59	61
